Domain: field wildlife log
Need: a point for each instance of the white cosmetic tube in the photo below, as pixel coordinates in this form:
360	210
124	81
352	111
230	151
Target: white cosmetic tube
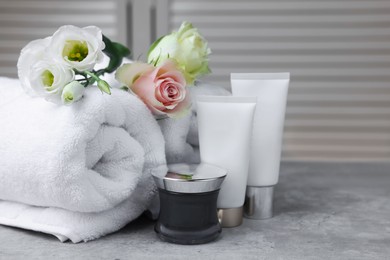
225	129
271	91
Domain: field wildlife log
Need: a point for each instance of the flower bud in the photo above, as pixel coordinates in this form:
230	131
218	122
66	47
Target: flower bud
104	86
72	92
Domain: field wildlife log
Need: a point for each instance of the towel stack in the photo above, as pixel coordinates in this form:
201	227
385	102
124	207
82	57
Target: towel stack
77	172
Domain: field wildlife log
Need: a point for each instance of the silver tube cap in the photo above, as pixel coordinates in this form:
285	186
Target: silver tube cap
230	217
258	202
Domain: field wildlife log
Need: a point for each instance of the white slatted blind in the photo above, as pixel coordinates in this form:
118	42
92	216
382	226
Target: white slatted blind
338	52
24	20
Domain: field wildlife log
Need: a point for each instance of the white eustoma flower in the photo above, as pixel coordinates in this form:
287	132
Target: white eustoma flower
30	55
79	48
39	75
72	92
48	79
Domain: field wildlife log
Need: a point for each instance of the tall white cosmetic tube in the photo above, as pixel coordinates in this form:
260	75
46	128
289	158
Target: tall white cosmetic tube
225	129
271	91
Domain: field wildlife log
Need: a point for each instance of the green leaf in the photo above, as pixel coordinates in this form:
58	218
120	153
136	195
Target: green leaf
186	176
179	176
115	51
109	49
121	49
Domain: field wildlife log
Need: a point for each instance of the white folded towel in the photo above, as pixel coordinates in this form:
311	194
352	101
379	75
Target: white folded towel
181	135
78	171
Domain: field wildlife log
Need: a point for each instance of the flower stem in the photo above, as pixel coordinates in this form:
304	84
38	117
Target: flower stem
92	75
100	72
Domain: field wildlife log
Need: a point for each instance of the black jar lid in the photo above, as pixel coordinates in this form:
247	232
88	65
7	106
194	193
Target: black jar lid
191	178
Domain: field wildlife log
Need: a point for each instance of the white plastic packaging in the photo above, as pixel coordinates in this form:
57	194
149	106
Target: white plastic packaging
225	130
271	91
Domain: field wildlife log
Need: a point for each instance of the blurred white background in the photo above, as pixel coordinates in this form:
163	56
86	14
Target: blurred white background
338	52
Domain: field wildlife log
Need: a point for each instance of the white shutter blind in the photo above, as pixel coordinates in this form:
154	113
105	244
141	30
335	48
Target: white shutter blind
24	20
338	52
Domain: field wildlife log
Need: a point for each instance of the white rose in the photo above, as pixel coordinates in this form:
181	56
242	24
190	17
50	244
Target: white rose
72	92
187	47
79	48
48	80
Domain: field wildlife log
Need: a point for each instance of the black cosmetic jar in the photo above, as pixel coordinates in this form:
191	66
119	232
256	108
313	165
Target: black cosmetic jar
188	204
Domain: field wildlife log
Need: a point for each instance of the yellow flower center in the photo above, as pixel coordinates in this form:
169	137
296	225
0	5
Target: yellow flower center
47	78
75	50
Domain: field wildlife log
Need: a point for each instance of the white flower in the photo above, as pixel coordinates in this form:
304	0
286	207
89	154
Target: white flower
30	55
39	75
48	79
72	92
79	48
187	47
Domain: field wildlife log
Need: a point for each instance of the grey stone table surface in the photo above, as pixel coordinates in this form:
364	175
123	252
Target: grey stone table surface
322	211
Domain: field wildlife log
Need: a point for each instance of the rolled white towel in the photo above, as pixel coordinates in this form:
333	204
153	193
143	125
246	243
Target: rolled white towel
77	226
181	135
87	166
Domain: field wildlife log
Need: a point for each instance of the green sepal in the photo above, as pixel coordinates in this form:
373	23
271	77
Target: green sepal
125	88
151	48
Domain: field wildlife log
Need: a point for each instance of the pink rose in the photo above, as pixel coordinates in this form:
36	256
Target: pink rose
162	88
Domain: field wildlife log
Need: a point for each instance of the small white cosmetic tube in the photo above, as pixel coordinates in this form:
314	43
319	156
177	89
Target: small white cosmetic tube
225	129
271	92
